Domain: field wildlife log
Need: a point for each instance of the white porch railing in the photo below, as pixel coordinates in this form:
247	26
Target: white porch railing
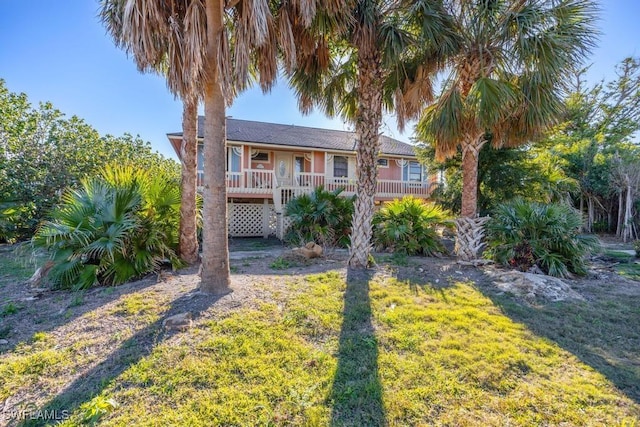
309	179
257	181
391	188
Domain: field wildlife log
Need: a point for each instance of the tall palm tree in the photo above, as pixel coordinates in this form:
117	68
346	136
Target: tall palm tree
188	239
213	49
369	63
505	83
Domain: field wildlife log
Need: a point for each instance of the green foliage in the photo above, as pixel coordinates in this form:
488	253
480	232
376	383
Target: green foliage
282	264
93	410
636	246
8	309
522	234
42	153
503	174
322	216
118	226
408	226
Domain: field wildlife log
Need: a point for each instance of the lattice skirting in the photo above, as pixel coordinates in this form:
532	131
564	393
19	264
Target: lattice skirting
251	219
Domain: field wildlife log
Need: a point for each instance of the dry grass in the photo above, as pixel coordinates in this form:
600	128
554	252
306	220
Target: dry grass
316	349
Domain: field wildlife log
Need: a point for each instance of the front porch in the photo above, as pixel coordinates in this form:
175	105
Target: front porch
265	184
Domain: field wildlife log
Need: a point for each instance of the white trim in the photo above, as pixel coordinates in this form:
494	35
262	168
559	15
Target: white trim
383	166
275	147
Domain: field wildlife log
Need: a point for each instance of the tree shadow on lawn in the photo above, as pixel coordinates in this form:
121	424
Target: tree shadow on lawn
357	391
602	331
90	384
54	308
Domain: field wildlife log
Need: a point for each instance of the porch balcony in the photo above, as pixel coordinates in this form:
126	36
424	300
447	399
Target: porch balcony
264	183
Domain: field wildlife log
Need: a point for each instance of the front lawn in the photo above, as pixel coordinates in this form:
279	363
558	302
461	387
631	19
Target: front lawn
316	349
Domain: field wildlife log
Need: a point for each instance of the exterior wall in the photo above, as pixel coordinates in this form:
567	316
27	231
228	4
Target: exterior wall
246	156
318	162
393	171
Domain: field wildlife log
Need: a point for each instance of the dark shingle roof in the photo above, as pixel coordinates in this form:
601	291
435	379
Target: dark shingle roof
300	136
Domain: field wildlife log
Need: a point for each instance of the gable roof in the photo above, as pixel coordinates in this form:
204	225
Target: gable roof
300	136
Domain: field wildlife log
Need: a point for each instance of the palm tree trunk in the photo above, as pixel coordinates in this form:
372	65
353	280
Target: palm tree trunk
215	276
469	229
470	152
368	119
188	244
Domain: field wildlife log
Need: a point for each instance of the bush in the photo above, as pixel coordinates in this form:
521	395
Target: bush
408	226
522	234
118	226
636	246
323	217
15	218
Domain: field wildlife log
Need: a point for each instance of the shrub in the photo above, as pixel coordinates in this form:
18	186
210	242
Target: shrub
118	226
523	234
15	218
408	226
636	246
323	217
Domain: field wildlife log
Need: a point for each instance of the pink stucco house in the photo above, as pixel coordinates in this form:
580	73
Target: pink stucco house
269	163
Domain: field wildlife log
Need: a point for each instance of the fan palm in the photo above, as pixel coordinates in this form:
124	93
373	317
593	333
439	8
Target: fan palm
505	82
523	233
211	48
363	67
117	226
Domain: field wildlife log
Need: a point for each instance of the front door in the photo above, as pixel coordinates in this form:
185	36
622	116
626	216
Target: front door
283	168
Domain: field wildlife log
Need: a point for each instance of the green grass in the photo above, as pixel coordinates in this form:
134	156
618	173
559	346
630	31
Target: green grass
370	352
627	264
9	309
283	264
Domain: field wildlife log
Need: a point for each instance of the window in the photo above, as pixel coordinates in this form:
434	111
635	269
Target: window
383	163
413	172
299	165
260	156
233	159
340	167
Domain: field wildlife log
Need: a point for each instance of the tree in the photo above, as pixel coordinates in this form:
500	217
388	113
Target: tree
371	63
42	153
188	245
595	143
505	83
527	172
211	48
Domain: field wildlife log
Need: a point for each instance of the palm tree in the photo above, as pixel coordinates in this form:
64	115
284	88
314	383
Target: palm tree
211	48
363	66
505	83
188	246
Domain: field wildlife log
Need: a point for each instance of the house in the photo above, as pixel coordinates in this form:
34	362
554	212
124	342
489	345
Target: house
270	163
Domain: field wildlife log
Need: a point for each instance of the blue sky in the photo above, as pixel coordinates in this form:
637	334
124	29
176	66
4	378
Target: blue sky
58	51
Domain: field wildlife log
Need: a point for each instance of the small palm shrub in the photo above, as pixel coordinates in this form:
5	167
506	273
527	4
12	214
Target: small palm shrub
115	227
522	234
323	217
408	226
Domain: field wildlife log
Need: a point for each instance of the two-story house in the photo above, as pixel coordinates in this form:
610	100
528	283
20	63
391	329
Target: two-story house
269	163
